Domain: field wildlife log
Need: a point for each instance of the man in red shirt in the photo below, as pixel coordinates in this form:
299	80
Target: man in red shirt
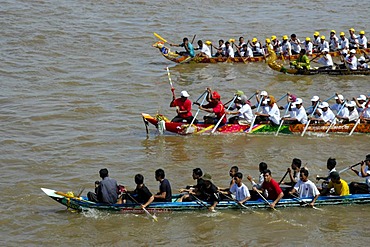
183	108
271	187
214	106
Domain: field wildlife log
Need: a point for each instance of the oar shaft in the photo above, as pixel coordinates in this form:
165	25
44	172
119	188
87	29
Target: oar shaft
219	121
255	116
196	114
282	121
335	119
282	179
308	123
359	118
350	167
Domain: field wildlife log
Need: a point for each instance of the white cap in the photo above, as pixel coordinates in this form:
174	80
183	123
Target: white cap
298	101
362	97
184	94
339	97
324	104
315	98
351	104
325	50
263	93
352	51
362	58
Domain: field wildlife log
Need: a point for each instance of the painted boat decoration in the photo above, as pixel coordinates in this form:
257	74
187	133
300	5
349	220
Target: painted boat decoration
164	124
278	66
81	203
176	58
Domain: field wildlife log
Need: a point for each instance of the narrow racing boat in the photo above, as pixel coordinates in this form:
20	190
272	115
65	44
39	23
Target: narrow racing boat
164	124
81	203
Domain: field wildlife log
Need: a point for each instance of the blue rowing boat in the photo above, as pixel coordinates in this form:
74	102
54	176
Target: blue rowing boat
81	203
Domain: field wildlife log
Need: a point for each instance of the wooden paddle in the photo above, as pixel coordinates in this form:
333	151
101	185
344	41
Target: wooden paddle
335	119
281	123
265	200
359	118
282	179
196	114
146	211
193	38
300	200
170	80
159	37
282	97
255	116
240	204
308	122
350	167
219	121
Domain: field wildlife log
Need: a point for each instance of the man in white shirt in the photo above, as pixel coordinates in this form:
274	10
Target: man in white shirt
286	47
333	43
229	51
323	44
353	41
316	40
362	40
326	59
325	115
240	189
298	113
343	43
204	50
351	115
308	46
295	43
351	60
244	112
305	187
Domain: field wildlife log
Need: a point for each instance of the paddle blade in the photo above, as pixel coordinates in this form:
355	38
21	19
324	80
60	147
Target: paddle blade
159	37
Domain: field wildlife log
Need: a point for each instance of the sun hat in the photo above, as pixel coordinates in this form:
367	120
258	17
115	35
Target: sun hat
362	97
254	40
332	31
367	157
334	175
285	37
273	37
339	97
352	29
315	98
263	93
362	32
351	104
316	33
207	176
298	101
308	39
184	94
324	104
268	41
322	37
239	93
216	95
353	51
342	34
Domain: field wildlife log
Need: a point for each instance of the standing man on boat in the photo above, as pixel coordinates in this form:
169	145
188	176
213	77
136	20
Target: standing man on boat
106	191
183	107
271	187
362	188
189	49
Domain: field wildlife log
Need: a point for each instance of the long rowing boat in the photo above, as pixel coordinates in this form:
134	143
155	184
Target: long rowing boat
174	57
162	123
81	203
278	66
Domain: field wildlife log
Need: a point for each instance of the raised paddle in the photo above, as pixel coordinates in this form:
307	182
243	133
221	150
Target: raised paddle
193	38
219	121
359	118
308	122
159	37
350	167
196	114
282	121
255	116
200	97
335	119
300	200
146	211
170	80
282	179
282	97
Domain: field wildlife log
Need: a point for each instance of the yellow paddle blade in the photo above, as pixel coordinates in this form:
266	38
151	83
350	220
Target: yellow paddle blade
159	37
208	42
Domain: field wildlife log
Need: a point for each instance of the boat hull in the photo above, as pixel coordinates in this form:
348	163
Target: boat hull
181	128
81	203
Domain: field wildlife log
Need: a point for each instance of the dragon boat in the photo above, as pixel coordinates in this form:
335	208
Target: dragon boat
81	203
164	124
278	66
174	57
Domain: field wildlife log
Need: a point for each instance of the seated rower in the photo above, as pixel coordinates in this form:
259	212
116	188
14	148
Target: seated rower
360	103
351	115
295	44
193	189
362	40
183	108
351	60
256	47
106	191
362	188
305	187
214	106
330	165
246	52
240	189
343	44
365	116
220	49
362	65
308	46
340	186
315	103
325	60
298	113
286	47
261	167
165	192
189	49
204	50
270	112
294	172
229	51
302	62
325	115
243	111
271	187
141	194
333	43
232	172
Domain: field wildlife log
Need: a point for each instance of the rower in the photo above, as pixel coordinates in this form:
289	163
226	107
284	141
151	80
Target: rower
232	172
229	51
323	44
214	106
240	189
106	191
293	172
270	112
286	47
295	44
165	192
315	101
351	60
360	103
362	40
308	46
276	44
362	65
330	165
261	167
204	50
193	189
333	43
343	43
353	41
243	111
325	115
351	115
183	108
325	60
316	41
298	113
189	49
362	188
141	194
305	187
220	49
340	186
256	47
302	62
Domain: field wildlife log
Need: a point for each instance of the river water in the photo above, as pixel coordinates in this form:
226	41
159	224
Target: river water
75	77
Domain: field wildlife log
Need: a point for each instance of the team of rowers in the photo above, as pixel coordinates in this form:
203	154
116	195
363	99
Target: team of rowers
289	46
299	186
268	111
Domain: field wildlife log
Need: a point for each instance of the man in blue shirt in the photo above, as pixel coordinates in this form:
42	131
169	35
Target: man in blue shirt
189	49
106	191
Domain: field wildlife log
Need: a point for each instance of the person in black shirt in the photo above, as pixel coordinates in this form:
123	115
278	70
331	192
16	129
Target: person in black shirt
208	192
165	193
141	193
